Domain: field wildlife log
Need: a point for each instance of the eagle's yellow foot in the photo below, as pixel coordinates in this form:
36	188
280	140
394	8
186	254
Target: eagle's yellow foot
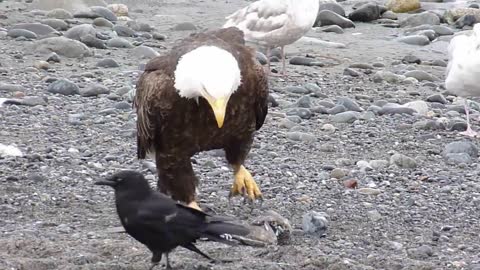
244	184
194	205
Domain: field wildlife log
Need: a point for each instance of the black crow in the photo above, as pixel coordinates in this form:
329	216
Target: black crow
159	222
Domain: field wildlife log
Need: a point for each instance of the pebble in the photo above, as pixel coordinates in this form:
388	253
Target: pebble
62	46
439	98
442	30
63	87
93	42
102	22
369	191
337	109
333	29
59	13
303	113
57	24
346	117
390	15
387	76
327	17
296	90
315	223
139	26
104	12
303	61
403	161
123	31
304	102
332	6
119	43
351	72
94	90
419	106
350	183
365	13
337	173
426	17
37	28
379	164
15	33
301	136
6	87
287	123
466	147
421	252
349	104
374	215
41	65
396	110
420	40
328	128
107	63
185	26
161	37
144	52
411	59
122	105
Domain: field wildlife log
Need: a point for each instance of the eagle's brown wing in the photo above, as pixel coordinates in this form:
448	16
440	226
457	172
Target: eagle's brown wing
154	91
261	102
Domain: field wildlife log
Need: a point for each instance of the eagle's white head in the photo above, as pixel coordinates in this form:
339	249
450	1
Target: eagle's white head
211	73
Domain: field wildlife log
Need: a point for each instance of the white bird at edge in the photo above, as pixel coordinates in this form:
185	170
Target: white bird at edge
463	70
272	23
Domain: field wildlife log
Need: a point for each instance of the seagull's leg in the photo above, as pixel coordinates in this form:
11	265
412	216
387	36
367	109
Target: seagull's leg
469	132
168	266
284	69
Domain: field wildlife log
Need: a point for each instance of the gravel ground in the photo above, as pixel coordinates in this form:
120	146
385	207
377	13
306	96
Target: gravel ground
399	190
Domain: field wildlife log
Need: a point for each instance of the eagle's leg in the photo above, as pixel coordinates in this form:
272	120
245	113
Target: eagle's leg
156	258
469	132
177	178
243	184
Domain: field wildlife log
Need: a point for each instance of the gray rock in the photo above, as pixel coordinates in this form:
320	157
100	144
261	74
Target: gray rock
350	104
185	26
346	117
335	7
296	90
420	19
59	13
107	63
7	87
315	223
37	28
430	34
123	31
102	22
442	30
139	26
104	12
461	147
57	24
421	75
124	106
53	57
390	15
92	41
365	13
304	102
420	40
15	33
458	158
403	161
302	61
387	76
144	52
94	90
78	31
333	29
63	87
439	98
62	46
86	14
361	66
411	59
396	110
421	252
119	43
466	20
337	109
301	136
419	106
327	17
351	72
159	36
303	113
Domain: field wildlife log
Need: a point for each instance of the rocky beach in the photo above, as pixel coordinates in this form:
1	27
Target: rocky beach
360	153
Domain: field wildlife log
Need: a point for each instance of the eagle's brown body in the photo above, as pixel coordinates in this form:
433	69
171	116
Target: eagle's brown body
175	128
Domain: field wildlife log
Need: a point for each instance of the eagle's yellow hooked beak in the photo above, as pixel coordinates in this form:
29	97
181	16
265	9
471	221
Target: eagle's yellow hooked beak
219	107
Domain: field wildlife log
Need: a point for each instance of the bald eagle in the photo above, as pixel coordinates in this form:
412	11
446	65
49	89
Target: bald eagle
208	92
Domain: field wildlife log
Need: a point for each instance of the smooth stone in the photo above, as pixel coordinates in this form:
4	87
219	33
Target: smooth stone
144	52
15	33
59	13
419	106
333	29
327	17
301	136
439	98
361	66
303	113
184	26
420	40
390	15
411	59
78	31
62	46
104	12
315	223
37	28
102	22
57	24
442	30
119	43
466	147
304	102
403	161
92	41
458	158
365	13
420	19
351	72
337	109
421	75
346	117
349	104
123	31
387	76
332	6
296	90
396	110
94	90
63	87
403	6
107	63
139	26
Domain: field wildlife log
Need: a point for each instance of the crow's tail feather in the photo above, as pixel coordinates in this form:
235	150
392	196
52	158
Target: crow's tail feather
222	231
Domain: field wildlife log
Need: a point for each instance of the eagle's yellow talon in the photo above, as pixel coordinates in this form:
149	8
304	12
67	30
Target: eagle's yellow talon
244	184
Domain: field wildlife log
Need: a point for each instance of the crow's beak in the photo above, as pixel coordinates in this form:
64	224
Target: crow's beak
105	182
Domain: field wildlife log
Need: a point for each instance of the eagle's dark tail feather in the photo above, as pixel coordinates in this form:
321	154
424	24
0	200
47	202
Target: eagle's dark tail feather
222	231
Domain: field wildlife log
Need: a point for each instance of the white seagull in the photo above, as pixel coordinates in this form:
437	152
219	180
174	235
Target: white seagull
463	70
272	23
